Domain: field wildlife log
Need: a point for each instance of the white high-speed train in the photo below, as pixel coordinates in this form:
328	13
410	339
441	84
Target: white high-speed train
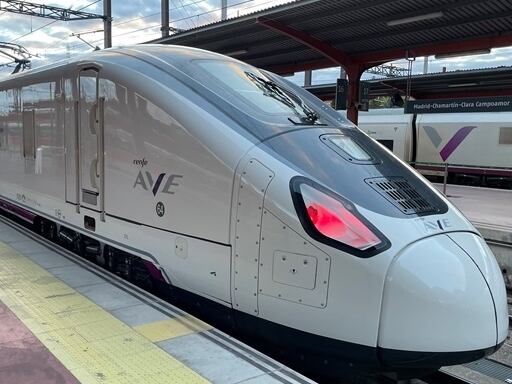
173	164
476	144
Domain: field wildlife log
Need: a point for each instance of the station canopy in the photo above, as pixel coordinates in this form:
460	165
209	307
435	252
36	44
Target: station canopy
356	34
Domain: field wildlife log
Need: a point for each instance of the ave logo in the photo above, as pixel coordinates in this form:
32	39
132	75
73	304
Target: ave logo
433	226
146	181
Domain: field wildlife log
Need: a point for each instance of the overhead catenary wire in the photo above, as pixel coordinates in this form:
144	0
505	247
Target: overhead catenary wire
186	12
156	13
51	22
184	6
181	19
145	17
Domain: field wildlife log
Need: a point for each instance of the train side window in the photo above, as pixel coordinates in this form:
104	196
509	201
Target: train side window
29	134
505	135
387	143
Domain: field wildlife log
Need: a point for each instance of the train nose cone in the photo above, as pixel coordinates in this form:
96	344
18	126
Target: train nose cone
483	257
444	303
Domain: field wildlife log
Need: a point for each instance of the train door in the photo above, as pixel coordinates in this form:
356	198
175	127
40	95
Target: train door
90	134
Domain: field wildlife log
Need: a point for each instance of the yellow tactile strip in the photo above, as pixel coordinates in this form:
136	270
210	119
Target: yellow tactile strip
171	328
90	342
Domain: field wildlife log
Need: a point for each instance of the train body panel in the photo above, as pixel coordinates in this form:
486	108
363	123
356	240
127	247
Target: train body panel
183	157
249	192
243	189
31	109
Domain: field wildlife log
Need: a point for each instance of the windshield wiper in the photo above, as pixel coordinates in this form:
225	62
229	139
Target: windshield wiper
305	121
271	89
311	116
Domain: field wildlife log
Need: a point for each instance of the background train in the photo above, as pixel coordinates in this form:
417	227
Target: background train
480	140
248	196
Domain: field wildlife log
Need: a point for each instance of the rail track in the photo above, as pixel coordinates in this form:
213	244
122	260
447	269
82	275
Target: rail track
503	252
443	377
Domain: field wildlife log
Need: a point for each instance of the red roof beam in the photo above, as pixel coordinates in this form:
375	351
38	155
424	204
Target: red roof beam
335	55
375	58
353	68
297	67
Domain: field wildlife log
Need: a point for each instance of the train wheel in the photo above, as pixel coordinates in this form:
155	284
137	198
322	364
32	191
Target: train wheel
140	275
109	256
51	233
46	228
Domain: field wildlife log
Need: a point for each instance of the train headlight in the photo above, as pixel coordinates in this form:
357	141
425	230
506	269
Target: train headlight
333	220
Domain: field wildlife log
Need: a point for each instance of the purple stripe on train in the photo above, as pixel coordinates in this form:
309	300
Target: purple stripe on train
452	144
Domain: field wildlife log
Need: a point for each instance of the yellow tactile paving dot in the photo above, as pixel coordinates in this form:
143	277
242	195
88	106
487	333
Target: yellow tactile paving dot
49	317
64	347
126	344
168	329
90	342
101	330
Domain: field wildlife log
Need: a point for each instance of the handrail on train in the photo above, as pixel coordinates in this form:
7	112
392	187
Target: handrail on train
446	166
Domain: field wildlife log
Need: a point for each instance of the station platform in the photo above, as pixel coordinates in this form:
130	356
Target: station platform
490	210
64	321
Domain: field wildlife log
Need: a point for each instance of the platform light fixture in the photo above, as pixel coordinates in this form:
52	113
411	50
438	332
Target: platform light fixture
464	53
236	53
412	19
462	85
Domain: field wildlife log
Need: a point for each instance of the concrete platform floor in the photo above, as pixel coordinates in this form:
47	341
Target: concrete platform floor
482	206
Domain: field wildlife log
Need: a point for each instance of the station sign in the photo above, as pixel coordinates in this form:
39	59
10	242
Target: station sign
364	95
469	104
340	99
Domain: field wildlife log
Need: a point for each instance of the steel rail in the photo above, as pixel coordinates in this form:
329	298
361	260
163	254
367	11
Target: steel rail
498	243
444	377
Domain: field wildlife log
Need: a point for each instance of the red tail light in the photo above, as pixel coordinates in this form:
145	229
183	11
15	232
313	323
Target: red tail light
332	220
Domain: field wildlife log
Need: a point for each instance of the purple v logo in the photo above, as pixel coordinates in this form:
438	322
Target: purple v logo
452	144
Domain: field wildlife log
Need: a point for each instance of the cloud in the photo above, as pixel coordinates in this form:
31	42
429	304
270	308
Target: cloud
498	57
134	21
137	21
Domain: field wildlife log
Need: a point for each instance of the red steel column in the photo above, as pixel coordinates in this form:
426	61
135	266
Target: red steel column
354	72
353	68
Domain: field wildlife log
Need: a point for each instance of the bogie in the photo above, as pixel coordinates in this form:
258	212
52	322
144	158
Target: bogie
121	263
46	228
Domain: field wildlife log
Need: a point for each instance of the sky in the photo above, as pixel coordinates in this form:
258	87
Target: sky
136	21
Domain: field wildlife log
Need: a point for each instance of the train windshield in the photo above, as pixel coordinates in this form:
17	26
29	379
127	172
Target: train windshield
251	87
